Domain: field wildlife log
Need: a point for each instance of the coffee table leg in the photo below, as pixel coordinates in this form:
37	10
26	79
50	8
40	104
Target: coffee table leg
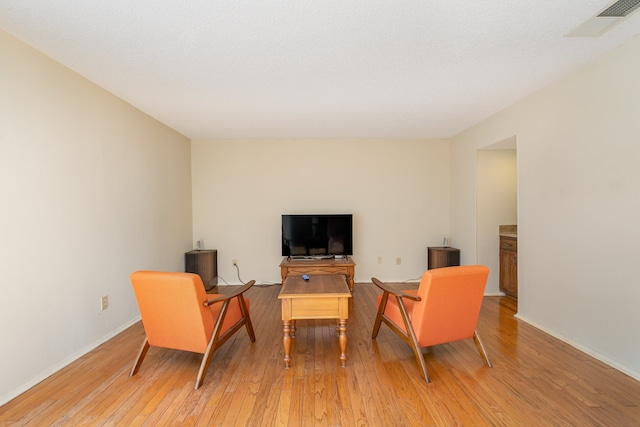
286	340
342	330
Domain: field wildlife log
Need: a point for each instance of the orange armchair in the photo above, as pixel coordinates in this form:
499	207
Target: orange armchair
444	308
178	314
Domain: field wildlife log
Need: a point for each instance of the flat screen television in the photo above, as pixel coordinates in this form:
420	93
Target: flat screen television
320	235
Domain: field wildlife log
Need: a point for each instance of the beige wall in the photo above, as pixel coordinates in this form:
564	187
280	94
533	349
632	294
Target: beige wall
578	204
398	192
92	189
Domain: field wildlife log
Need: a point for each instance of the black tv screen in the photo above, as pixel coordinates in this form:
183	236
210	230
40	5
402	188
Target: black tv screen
317	235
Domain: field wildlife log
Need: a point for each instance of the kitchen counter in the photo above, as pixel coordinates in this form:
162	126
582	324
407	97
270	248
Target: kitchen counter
508	231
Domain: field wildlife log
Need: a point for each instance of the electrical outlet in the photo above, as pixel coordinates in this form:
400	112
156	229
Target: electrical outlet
398	261
234	262
379	260
104	302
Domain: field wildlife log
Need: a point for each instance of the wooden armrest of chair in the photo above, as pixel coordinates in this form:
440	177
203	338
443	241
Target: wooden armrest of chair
395	293
231	295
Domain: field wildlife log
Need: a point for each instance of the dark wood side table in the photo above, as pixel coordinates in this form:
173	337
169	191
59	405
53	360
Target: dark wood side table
204	263
442	256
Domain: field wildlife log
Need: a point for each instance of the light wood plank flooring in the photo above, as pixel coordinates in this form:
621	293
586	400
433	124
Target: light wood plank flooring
536	380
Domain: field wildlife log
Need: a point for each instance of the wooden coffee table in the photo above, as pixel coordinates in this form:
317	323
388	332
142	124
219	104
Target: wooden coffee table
323	296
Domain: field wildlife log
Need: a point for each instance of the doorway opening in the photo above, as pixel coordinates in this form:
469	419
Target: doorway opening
496	203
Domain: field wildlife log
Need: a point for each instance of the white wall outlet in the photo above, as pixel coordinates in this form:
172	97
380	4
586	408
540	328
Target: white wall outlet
234	262
398	261
104	302
379	260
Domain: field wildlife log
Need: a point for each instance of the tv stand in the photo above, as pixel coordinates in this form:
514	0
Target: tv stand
298	267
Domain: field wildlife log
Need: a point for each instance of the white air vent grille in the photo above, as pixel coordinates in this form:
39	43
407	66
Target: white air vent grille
621	8
605	20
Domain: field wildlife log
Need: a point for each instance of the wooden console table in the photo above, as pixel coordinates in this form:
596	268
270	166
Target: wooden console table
298	267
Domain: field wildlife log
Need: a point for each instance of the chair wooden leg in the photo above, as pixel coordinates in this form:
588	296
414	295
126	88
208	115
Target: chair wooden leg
378	321
413	341
409	336
141	354
417	351
247	318
481	349
204	365
212	346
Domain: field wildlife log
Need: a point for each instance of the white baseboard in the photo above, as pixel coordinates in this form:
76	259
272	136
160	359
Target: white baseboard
494	294
57	367
582	348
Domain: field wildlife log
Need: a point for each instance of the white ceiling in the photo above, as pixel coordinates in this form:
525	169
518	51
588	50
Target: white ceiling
316	68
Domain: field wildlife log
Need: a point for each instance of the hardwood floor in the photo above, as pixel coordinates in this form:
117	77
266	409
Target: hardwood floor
536	380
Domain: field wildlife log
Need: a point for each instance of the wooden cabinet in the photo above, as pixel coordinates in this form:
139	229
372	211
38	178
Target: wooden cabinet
204	263
442	256
509	266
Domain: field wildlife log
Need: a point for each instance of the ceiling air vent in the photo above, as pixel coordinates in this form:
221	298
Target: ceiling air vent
606	19
620	9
